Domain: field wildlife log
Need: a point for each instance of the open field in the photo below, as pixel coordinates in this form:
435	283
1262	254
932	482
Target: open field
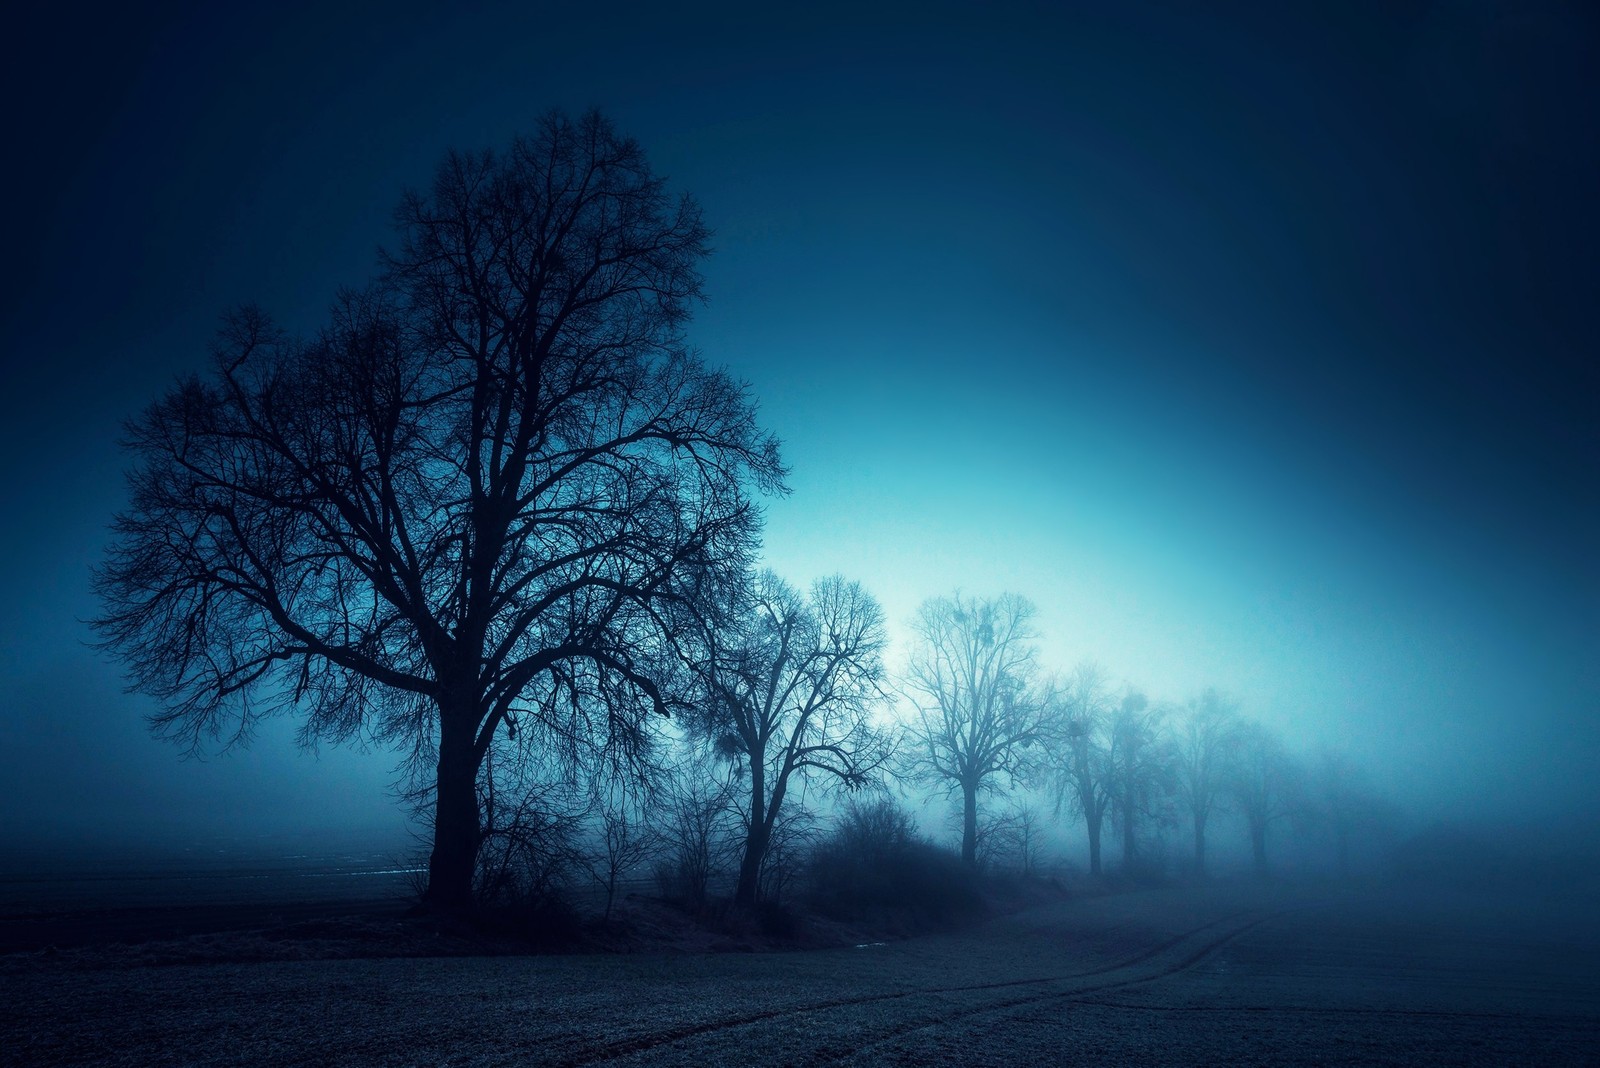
1226	975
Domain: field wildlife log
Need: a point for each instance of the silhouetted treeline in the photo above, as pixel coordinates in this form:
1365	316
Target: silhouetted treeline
497	515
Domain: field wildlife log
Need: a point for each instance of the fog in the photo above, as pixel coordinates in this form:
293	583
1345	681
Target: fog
983	535
1255	355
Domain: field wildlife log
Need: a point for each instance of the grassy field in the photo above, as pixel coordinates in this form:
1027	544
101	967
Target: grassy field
1222	975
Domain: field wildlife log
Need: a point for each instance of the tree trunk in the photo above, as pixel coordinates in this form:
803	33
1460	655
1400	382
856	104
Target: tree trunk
1200	846
969	825
759	833
456	833
1093	824
755	851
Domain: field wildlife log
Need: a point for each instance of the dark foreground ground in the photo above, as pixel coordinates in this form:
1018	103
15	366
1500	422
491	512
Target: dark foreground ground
1222	975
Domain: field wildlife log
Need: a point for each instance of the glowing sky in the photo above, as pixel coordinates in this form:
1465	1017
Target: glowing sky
1256	350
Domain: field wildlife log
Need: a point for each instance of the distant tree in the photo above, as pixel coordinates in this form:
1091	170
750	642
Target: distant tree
994	836
1347	803
694	815
1204	744
487	497
792	681
1082	752
621	839
979	709
1138	770
1017	835
1267	785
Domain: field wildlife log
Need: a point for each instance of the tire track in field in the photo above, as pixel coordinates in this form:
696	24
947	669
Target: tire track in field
1078	993
1341	1010
656	1040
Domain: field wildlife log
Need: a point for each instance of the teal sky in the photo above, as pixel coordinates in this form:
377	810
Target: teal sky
1255	347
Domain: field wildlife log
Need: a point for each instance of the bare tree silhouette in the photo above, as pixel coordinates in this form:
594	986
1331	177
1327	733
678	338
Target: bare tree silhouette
980	718
487	497
622	839
792	681
1082	759
694	819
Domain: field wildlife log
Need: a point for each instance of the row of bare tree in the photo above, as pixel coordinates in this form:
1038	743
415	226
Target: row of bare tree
988	720
788	704
497	514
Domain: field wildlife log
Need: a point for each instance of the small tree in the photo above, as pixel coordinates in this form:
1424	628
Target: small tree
792	682
1018	835
497	486
531	827
621	839
979	720
695	811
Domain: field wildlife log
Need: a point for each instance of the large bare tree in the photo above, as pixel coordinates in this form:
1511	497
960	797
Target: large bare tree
792	684
487	497
979	706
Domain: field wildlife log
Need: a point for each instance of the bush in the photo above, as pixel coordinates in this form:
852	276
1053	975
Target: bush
874	867
528	853
695	823
547	922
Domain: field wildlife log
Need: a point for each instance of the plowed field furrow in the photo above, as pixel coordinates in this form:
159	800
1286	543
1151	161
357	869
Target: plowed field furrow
1163	959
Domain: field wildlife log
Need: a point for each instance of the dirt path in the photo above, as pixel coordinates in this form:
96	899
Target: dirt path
1179	977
